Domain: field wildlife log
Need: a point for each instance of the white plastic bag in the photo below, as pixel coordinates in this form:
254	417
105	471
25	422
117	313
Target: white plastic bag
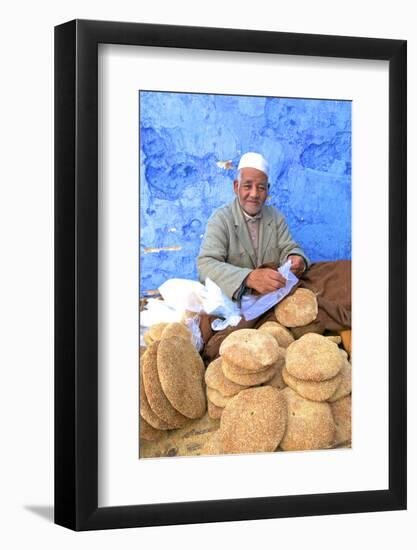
254	306
193	325
158	311
180	296
183	294
220	324
215	302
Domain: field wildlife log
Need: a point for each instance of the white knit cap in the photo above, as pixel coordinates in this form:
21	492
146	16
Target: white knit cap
253	160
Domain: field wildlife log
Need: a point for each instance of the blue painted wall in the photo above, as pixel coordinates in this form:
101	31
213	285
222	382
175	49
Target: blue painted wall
185	139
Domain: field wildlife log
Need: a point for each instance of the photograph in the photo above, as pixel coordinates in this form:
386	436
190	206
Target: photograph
245	250
229	203
208	223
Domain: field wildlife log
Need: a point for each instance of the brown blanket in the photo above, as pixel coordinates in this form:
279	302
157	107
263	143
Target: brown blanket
330	281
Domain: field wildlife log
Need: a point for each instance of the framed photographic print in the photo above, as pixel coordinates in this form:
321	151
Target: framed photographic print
230	230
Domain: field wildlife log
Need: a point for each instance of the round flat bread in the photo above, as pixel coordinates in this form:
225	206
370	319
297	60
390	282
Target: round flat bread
146	431
245	378
310	424
147	338
342	414
217	398
214	411
213	446
155	331
181	373
147	413
216	379
253	421
313	357
282	335
250	349
176	329
157	400
316	391
345	387
298	309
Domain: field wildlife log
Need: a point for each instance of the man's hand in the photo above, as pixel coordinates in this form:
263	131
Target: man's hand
265	280
297	264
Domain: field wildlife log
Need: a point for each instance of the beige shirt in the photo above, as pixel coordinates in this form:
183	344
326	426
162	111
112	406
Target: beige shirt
253	224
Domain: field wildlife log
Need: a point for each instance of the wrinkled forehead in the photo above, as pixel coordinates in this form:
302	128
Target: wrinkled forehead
253	175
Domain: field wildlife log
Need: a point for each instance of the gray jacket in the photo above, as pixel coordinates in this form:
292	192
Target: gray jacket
227	255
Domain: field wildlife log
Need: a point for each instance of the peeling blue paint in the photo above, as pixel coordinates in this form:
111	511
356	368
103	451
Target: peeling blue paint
183	136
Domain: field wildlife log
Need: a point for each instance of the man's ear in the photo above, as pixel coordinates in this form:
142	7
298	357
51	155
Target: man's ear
235	186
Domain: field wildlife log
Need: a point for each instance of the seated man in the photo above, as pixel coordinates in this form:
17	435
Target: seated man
243	235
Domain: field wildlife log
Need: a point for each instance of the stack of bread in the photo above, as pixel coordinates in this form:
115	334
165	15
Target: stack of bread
248	357
319	379
316	371
171	381
303	399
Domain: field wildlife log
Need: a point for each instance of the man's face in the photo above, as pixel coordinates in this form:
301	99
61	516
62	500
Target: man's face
252	190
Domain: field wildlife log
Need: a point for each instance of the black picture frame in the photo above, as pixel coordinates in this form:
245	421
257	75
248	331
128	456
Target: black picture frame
76	272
